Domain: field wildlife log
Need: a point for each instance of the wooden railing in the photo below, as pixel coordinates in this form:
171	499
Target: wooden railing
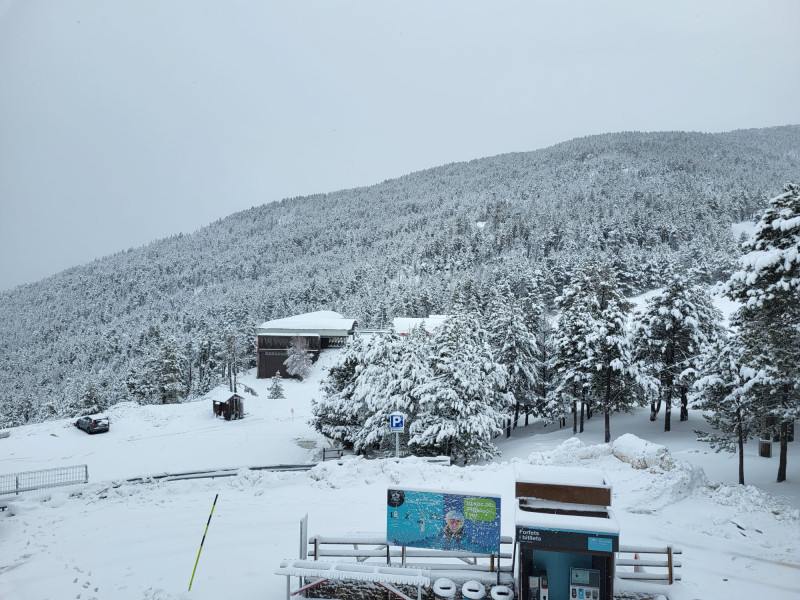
324	547
649	563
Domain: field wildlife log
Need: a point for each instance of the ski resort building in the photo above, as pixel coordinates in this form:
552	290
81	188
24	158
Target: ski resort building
321	329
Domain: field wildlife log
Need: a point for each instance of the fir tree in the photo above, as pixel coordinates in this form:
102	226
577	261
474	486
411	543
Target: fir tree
768	286
375	390
336	415
298	362
723	391
171	385
571	370
462	403
670	333
514	347
611	376
276	387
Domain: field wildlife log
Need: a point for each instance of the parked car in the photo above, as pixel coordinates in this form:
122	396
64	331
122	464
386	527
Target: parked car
93	424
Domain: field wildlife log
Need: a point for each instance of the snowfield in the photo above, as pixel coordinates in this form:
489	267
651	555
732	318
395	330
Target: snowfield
116	540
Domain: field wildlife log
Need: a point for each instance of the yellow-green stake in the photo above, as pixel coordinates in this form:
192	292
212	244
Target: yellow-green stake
203	540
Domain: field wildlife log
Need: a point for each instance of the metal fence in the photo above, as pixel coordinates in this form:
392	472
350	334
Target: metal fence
27	481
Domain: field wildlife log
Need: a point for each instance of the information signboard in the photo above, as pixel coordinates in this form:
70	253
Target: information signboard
444	521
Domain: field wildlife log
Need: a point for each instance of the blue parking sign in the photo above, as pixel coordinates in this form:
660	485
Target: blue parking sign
396	422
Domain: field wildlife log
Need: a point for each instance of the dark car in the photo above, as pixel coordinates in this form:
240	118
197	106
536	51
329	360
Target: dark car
93	424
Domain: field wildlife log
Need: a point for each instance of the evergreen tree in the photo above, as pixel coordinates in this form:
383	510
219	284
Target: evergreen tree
538	319
611	372
159	379
298	362
171	385
724	393
768	286
276	387
571	370
676	324
462	402
337	415
377	389
514	347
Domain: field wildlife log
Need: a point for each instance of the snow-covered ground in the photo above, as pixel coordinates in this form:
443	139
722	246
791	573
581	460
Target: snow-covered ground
123	541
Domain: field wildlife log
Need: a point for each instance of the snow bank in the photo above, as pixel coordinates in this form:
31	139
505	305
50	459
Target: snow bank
641	454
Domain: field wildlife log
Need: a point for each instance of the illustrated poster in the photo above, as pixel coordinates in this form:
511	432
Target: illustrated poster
443	521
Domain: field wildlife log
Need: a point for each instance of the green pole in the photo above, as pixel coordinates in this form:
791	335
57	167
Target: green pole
203	540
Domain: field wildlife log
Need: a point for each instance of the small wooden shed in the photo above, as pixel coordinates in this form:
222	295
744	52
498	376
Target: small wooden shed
232	408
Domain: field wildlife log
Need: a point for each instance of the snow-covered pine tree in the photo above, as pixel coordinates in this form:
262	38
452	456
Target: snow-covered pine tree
611	373
336	415
768	286
171	385
571	371
375	390
159	378
730	402
276	387
538	319
514	346
462	403
298	362
670	333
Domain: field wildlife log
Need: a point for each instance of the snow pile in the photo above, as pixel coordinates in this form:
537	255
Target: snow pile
357	471
569	452
749	500
641	454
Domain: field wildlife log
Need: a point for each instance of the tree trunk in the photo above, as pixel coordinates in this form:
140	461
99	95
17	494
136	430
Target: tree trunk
684	403
740	433
574	416
784	438
583	405
607	405
516	414
655	406
668	409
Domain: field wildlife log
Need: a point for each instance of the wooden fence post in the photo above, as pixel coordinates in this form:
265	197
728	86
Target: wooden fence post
669	563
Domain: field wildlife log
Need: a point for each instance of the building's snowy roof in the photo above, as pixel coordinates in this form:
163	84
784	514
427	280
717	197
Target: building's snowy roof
577	476
323	322
404	325
586	524
354	571
220	395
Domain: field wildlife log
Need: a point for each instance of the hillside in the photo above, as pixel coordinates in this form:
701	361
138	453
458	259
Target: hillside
403	247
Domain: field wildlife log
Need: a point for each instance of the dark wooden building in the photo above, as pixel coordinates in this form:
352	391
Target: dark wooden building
229	409
321	330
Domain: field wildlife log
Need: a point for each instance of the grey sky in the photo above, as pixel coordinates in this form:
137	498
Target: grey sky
124	122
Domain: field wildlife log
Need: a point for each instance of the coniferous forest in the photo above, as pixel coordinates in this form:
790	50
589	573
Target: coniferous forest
561	235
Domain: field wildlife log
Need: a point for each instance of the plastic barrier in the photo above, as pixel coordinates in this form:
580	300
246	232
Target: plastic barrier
473	590
444	589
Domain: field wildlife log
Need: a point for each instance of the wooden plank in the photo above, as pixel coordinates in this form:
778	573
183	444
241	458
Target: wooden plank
646	576
645	562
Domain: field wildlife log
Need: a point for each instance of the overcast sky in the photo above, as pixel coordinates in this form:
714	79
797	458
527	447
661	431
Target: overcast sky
127	121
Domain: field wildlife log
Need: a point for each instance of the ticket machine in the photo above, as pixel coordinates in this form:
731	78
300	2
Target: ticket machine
584	584
537	586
